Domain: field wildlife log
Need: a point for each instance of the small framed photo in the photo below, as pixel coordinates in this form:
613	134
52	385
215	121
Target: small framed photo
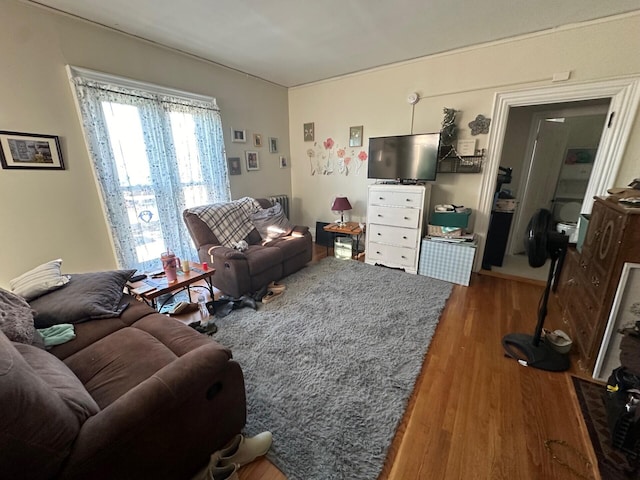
273	145
252	160
234	166
238	136
30	150
309	132
355	136
466	148
283	162
257	140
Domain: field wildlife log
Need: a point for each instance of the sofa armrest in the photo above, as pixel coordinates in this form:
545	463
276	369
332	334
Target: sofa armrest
299	231
225	253
186	410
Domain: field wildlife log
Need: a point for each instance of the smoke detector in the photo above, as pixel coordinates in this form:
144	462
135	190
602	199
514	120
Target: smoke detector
413	98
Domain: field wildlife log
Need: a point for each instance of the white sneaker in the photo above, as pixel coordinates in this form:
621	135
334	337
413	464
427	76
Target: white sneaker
242	450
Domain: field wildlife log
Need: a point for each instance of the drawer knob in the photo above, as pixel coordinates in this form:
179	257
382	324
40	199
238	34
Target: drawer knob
379	215
380	198
402	256
408	200
404	237
406	218
379	234
378	252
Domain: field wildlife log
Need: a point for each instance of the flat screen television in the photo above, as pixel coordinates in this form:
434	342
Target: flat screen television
404	158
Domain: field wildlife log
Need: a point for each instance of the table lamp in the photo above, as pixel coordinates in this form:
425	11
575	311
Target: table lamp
340	204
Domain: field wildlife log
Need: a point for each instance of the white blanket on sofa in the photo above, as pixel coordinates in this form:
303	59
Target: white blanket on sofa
230	222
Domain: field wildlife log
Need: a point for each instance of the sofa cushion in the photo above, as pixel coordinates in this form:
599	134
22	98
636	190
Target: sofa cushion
43	407
271	223
16	317
290	245
87	296
39	280
115	364
261	258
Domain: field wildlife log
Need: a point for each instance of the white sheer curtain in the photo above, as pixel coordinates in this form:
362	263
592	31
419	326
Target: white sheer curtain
154	155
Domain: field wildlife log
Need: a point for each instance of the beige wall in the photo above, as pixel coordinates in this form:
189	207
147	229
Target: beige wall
51	214
466	80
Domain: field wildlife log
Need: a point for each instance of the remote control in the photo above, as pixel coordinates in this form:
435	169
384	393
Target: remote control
137	278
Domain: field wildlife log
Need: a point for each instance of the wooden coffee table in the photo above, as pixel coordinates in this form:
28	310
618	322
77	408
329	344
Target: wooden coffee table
154	286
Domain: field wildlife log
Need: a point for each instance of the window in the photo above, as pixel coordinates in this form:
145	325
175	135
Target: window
155	152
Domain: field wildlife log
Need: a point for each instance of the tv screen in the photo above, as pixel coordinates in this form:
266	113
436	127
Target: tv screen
404	157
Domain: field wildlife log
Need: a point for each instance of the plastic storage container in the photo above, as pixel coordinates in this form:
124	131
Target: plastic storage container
451	219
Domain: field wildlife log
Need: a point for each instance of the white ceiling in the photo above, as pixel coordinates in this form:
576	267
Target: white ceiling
293	42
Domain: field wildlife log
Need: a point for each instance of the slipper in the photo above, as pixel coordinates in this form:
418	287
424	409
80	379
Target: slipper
271	296
277	287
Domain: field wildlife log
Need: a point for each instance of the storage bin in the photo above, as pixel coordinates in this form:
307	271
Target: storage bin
343	247
451	262
451	219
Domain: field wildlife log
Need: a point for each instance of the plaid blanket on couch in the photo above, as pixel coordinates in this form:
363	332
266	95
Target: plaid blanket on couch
230	222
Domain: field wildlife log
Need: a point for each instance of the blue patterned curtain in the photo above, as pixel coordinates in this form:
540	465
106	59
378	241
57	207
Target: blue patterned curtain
153	156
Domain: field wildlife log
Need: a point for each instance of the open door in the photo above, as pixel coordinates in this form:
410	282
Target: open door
540	180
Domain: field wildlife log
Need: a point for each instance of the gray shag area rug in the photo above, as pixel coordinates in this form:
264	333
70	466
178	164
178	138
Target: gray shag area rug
330	365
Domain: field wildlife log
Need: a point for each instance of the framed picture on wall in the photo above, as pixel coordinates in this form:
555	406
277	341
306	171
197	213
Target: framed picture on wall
283	162
309	134
238	136
252	160
273	145
234	166
30	151
257	140
355	136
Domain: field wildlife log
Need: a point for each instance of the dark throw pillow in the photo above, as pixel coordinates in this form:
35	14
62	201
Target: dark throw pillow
271	223
16	317
87	296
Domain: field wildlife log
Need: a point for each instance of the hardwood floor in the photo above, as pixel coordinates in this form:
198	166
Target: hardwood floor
475	414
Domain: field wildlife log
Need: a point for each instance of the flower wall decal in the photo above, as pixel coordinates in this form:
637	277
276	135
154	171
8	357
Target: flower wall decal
327	158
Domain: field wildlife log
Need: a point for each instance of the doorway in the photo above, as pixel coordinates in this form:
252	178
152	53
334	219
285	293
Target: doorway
623	95
553	167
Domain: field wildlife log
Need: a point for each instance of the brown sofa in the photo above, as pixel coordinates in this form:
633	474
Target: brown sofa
238	273
138	396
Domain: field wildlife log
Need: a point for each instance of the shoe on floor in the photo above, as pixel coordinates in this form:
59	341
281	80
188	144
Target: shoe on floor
271	296
242	450
276	287
215	471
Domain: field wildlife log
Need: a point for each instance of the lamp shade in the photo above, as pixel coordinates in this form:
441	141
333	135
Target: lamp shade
340	204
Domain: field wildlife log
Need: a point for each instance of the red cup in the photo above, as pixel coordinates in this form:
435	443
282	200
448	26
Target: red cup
205	266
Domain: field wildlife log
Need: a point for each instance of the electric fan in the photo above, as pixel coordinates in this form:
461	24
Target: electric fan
540	242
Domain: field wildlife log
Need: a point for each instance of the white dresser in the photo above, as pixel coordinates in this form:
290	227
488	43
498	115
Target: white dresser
395	223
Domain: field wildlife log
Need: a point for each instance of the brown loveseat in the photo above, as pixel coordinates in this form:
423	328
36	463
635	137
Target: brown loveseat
133	397
238	273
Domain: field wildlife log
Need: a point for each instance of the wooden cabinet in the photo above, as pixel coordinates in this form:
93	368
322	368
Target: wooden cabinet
589	280
395	223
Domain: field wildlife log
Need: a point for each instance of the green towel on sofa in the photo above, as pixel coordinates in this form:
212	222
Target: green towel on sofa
57	334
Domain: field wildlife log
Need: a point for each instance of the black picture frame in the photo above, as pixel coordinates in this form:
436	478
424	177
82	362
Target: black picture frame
19	150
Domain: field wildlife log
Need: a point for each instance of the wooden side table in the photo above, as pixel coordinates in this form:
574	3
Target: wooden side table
352	229
149	289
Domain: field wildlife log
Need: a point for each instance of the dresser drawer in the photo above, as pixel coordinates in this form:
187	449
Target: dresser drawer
393	255
395	198
403	237
394	216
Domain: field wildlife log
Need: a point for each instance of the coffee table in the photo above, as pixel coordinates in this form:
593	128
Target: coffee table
156	285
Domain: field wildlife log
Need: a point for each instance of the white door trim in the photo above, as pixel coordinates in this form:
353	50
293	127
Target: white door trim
625	96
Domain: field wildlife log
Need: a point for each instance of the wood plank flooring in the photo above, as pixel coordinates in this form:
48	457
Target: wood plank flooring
475	414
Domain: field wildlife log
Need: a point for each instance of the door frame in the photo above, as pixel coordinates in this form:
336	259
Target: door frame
625	96
527	164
